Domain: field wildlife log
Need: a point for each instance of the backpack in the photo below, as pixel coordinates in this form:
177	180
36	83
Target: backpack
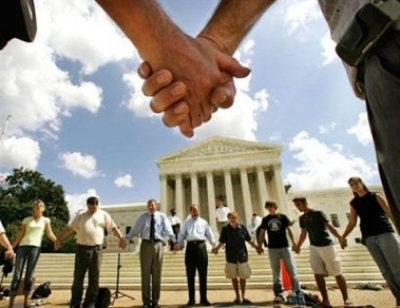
42	291
103	298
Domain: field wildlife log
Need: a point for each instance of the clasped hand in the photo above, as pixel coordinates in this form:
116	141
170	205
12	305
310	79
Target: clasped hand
194	87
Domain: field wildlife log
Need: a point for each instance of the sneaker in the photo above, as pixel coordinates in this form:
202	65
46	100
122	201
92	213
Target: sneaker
279	299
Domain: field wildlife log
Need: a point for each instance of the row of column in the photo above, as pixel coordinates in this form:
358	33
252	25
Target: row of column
263	195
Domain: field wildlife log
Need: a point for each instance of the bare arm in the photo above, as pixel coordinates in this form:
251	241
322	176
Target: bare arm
64	234
352	222
7	245
232	20
302	238
385	206
290	233
19	236
334	232
261	238
50	233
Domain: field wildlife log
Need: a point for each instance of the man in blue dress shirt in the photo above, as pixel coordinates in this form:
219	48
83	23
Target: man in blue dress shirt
196	231
151	227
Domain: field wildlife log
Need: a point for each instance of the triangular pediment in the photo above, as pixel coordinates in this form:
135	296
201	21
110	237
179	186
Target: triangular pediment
216	146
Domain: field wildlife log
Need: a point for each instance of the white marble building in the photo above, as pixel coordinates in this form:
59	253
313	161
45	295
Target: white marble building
244	174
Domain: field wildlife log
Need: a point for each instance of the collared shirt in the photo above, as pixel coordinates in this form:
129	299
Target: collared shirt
90	227
141	228
221	214
235	243
196	229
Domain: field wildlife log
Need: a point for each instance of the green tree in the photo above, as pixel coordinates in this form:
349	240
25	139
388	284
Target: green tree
17	196
25	186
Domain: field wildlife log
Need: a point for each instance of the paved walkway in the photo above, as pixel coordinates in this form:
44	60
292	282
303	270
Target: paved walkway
260	298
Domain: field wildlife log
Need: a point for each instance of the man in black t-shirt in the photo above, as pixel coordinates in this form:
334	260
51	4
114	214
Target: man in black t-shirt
234	236
324	258
276	225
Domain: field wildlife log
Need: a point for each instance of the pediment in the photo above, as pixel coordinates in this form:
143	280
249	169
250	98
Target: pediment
217	146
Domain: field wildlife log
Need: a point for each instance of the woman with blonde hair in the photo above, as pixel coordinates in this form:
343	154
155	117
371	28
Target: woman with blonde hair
377	232
29	242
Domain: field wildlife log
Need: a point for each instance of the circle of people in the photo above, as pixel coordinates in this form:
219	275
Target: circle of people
153	227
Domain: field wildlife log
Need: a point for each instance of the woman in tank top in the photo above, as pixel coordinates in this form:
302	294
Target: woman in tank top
29	242
377	232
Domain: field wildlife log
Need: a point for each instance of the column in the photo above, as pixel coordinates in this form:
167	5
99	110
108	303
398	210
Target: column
195	188
262	190
164	194
279	188
246	196
229	190
211	201
179	196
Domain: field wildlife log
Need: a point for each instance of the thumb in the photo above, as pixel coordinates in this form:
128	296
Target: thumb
232	66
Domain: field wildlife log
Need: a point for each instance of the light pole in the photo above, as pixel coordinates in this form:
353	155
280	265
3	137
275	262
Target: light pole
3	131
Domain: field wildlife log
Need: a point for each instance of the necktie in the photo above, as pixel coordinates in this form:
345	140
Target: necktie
152	228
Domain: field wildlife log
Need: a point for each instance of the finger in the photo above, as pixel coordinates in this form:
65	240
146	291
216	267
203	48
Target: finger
144	70
156	82
168	96
223	96
232	66
176	114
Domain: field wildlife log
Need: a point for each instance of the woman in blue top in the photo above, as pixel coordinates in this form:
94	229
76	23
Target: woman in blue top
29	242
377	232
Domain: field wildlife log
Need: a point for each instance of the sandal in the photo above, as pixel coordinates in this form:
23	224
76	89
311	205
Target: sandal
246	301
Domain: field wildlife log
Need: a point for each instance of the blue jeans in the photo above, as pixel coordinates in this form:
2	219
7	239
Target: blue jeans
385	250
275	257
380	78
26	256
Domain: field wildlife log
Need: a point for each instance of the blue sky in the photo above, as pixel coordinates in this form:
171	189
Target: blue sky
78	115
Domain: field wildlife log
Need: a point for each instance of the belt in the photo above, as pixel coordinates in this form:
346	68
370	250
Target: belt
195	242
152	241
89	247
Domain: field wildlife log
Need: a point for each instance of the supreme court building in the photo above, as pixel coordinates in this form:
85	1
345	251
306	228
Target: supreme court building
244	174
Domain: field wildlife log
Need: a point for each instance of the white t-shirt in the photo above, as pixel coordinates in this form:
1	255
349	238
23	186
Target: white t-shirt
174	220
34	231
221	214
90	228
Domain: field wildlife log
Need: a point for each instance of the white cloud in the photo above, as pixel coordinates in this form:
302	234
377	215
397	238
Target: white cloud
79	164
19	152
321	166
328	50
124	181
77	202
137	102
324	129
299	14
362	130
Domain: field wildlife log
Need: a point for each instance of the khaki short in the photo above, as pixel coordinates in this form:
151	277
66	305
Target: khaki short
325	260
235	270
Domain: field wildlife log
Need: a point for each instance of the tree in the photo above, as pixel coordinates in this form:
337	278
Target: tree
17	195
25	186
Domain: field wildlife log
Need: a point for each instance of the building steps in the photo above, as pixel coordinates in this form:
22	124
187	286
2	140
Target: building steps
357	266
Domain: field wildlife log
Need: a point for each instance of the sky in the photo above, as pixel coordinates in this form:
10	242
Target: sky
78	115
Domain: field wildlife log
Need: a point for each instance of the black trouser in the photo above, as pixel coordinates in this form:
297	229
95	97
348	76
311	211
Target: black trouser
196	257
175	228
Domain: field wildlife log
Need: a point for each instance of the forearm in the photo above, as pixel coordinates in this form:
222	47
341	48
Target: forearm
18	239
5	242
291	237
232	20
302	238
146	25
64	234
348	230
117	233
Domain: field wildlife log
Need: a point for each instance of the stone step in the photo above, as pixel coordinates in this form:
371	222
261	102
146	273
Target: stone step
357	266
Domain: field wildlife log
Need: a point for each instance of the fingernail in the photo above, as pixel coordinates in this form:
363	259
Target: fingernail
220	99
